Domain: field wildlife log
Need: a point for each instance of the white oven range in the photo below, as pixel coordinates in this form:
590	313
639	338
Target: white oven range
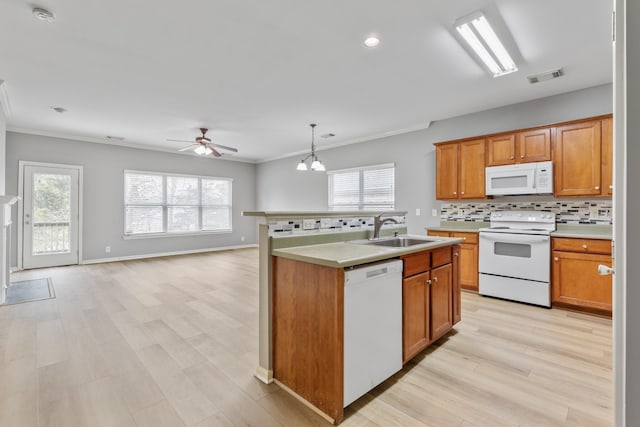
515	256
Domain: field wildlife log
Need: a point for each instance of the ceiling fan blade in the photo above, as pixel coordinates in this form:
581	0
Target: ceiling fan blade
188	147
179	140
224	147
214	151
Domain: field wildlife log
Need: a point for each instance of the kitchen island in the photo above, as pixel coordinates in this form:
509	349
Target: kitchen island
307	311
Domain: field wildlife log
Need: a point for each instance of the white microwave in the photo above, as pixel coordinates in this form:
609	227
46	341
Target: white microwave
524	178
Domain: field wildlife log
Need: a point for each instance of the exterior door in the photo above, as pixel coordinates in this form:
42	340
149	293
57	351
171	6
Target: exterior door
50	216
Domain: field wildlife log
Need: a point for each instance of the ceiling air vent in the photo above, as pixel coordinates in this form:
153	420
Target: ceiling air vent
547	75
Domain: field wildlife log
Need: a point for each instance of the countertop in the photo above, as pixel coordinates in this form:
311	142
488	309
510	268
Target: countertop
585	231
346	254
582	231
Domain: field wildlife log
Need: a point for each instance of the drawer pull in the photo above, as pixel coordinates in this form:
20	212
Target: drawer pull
584	246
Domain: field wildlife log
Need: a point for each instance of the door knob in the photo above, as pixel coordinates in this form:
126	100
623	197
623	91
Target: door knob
603	270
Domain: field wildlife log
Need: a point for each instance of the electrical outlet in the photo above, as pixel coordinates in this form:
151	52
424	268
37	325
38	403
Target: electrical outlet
434	212
325	222
107	249
417	211
308	224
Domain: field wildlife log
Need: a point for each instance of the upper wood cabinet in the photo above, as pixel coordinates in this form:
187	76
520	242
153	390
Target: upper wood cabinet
501	150
534	146
523	147
607	156
447	171
460	170
577	157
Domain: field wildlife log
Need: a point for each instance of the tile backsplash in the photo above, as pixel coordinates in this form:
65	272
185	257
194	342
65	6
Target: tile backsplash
567	211
326	225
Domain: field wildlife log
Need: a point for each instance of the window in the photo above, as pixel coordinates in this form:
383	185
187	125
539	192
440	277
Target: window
172	204
367	188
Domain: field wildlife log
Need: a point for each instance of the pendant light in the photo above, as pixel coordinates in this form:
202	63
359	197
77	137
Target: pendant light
316	165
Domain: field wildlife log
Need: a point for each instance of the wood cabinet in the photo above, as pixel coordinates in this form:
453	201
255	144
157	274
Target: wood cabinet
460	170
577	157
447	171
468	257
456	303
607	157
522	147
575	279
430	297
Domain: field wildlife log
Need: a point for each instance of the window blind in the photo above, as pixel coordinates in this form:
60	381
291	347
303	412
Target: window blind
367	188
169	204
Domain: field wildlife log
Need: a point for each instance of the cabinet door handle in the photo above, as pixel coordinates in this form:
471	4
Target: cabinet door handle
427	282
522	157
556	259
611	187
435	279
462	192
456	254
597	187
511	158
455	192
584	246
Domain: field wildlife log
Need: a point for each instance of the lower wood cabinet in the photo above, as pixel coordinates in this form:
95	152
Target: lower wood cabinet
575	279
468	256
430	297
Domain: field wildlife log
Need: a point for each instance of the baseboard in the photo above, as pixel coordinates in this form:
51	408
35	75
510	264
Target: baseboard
264	375
162	254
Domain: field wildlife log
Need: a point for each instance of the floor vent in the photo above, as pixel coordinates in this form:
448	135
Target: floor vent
547	75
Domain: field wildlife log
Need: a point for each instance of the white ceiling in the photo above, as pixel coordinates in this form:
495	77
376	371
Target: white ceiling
258	72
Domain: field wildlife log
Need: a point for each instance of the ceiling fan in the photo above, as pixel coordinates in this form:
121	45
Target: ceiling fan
204	146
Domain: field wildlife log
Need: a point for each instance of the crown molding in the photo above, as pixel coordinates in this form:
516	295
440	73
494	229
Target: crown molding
4	99
126	144
371	137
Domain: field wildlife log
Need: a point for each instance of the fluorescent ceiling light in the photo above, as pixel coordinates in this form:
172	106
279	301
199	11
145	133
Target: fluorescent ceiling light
478	33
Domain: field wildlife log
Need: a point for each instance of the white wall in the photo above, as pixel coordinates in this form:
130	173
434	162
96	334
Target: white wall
281	187
3	153
632	273
104	166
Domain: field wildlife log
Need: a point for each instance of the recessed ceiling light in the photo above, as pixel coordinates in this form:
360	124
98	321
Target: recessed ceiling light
43	14
59	109
371	41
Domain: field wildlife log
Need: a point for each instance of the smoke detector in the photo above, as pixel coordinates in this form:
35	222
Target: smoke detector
547	75
43	14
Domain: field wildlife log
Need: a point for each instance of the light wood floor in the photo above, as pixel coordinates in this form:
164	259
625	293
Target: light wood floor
173	342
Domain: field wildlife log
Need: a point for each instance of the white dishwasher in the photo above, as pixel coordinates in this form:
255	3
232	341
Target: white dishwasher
372	326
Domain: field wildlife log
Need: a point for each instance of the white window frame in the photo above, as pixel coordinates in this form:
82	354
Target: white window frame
165	206
361	206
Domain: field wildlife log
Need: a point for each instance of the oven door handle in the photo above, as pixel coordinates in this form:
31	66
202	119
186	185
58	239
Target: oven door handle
521	238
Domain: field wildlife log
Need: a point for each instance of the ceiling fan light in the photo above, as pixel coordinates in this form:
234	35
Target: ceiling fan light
200	150
208	151
317	166
302	166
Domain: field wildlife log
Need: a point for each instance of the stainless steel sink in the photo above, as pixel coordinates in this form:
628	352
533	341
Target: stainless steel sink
397	242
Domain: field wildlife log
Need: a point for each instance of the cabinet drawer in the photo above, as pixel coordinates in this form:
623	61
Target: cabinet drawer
469	237
438	233
593	246
441	256
416	263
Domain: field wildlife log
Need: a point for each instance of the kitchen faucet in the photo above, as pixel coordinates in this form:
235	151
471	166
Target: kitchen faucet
377	224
